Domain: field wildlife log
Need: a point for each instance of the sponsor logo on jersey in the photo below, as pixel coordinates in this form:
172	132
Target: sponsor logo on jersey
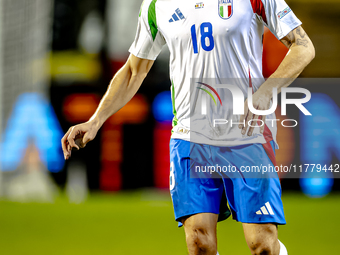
178	15
199	5
283	13
266	210
225	8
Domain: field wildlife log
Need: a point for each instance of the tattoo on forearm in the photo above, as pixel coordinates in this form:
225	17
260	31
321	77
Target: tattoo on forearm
302	42
297	36
300	32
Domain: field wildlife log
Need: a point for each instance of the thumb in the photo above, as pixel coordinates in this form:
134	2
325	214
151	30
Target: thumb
87	138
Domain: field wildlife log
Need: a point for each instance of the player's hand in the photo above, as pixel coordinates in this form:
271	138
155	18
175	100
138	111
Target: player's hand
77	137
261	101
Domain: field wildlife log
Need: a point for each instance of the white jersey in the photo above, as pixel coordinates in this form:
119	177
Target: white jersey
213	40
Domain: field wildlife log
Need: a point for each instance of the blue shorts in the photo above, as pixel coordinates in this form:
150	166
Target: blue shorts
249	196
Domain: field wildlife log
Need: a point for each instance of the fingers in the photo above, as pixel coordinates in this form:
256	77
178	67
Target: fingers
76	137
67	143
249	116
263	118
69	151
252	124
250	121
71	138
64	144
240	126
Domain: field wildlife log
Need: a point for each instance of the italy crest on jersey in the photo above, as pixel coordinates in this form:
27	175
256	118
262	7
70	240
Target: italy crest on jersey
225	8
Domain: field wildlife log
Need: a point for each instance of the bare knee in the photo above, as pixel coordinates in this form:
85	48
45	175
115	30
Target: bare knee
201	241
262	248
262	239
200	232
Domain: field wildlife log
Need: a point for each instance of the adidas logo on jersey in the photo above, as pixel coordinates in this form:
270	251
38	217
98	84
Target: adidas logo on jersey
266	210
178	15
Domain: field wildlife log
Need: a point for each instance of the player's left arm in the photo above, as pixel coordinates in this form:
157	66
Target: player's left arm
301	53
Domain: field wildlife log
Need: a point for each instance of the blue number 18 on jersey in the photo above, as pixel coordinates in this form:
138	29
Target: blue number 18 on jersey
206	32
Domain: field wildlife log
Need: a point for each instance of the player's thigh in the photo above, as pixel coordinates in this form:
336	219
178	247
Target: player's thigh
202	226
260	234
192	195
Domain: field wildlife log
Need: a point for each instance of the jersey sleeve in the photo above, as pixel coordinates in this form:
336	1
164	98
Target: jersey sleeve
276	15
149	41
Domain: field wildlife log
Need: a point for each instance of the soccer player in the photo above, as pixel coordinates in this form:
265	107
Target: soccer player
215	39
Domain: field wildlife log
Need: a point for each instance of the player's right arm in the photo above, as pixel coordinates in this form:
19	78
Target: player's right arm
144	50
122	88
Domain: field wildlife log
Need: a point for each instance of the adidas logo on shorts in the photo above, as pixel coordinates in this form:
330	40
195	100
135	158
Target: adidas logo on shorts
266	210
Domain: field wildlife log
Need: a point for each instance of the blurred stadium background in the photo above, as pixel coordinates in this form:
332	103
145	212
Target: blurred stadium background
56	60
